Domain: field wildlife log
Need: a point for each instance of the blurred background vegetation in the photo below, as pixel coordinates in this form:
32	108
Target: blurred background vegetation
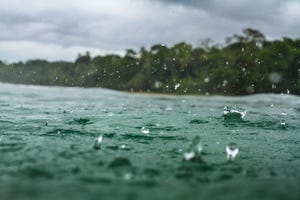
245	64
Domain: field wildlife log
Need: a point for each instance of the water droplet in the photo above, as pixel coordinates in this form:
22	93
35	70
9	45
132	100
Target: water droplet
231	150
274	77
226	62
284	113
287	91
165	67
98	142
123	146
145	130
206	80
177	86
157	84
194	151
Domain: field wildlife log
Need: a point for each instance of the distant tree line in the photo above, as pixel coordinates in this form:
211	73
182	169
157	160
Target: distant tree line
245	64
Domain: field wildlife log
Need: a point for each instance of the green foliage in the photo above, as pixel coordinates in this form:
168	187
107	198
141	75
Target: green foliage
246	64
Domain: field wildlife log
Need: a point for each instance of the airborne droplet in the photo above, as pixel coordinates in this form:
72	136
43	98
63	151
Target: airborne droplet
176	86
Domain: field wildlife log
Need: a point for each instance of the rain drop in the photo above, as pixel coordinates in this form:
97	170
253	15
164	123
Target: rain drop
98	142
177	86
194	151
231	150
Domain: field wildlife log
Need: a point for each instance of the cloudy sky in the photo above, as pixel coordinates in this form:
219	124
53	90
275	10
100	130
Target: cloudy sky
60	29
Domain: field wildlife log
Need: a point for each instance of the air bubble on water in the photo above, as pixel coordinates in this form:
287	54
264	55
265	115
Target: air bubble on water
231	150
272	105
98	141
145	130
123	146
194	151
284	113
176	86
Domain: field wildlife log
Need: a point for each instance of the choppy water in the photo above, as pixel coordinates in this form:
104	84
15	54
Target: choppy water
47	138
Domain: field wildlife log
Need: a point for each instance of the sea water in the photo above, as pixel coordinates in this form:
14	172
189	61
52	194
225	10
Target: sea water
74	143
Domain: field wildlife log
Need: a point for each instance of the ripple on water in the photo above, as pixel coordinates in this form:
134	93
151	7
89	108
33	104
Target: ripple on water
198	121
12	146
80	121
67	132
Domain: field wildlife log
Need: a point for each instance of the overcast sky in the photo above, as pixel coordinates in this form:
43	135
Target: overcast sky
60	29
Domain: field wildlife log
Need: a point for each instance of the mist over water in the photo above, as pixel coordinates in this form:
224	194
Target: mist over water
48	137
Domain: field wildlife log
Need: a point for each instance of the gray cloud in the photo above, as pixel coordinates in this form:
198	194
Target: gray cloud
60	29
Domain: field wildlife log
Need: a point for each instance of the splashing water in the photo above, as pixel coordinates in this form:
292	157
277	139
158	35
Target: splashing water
283	124
233	113
231	150
145	130
194	151
98	142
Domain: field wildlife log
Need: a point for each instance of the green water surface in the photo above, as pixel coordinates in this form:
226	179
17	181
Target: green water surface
47	137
